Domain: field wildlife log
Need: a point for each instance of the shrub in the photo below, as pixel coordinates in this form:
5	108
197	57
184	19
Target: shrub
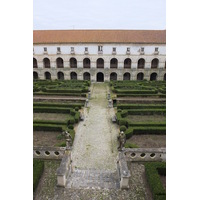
130	145
47	127
72	112
62	144
59	137
76	108
72	121
124	113
153	179
50	110
123	128
123	122
38	168
71	126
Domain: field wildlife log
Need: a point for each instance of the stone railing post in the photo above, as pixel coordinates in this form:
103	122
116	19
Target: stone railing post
110	103
86	103
124	172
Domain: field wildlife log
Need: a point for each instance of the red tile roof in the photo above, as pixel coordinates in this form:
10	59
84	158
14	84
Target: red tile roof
99	36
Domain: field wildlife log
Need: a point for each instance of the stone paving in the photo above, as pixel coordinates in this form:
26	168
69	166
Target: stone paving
94	154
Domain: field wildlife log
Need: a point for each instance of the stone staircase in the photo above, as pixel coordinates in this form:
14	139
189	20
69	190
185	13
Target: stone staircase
93	179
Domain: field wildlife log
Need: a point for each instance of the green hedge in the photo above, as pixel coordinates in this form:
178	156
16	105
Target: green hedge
121	91
145	124
153	179
38	168
41	109
64	105
145	130
142	95
141	106
66	122
53	127
59	94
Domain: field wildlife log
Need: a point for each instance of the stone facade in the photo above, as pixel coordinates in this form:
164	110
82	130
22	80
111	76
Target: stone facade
90	51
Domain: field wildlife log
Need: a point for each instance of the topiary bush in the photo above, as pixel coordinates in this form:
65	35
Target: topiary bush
38	168
123	128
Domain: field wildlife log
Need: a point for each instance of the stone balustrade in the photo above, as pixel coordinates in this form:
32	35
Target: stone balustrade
123	171
144	154
64	170
55	153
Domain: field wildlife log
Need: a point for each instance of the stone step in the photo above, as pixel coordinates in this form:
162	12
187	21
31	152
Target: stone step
93	179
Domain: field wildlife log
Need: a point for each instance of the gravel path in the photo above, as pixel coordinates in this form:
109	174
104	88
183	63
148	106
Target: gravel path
95	145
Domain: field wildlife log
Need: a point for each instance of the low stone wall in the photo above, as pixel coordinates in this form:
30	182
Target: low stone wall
54	153
145	154
123	171
64	170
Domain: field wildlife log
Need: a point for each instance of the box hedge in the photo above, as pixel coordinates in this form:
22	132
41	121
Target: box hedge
38	168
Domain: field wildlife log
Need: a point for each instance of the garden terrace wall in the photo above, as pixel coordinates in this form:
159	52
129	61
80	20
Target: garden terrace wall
48	153
145	154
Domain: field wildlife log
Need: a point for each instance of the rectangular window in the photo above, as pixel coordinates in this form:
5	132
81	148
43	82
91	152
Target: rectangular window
72	48
45	48
128	48
142	49
58	48
114	49
86	48
156	48
100	48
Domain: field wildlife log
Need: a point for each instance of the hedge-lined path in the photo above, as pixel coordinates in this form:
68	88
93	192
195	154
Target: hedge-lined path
95	144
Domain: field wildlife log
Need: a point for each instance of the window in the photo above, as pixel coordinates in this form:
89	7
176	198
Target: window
100	48
156	48
58	48
86	48
45	48
72	48
142	49
114	48
128	48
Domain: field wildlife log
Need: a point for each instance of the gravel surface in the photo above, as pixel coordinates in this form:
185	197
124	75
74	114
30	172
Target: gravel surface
95	145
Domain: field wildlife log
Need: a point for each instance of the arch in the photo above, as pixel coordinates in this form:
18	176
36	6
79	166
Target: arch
73	76
73	62
113	76
60	76
46	63
35	75
47	75
153	77
141	63
86	63
113	63
154	63
35	65
127	76
140	76
86	76
100	63
100	77
59	63
164	78
127	63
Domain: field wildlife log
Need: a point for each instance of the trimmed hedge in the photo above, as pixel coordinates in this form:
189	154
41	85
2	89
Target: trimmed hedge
153	179
146	112
51	122
64	105
142	95
41	109
141	106
53	127
145	130
130	145
59	94
121	91
38	168
145	124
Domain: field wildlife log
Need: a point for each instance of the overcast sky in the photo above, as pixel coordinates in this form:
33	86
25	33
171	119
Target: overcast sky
99	14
